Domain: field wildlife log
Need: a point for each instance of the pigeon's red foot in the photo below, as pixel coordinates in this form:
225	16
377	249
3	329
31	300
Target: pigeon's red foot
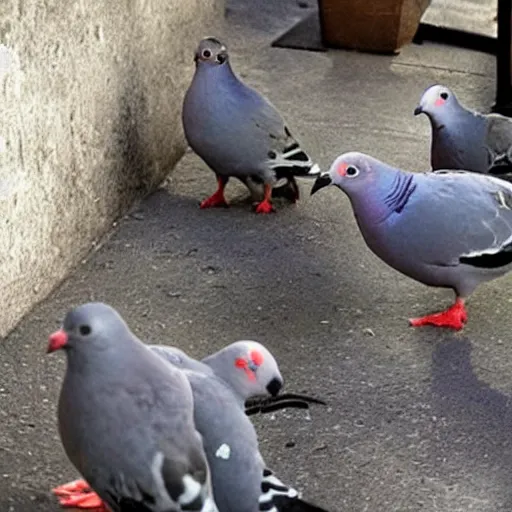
89	501
264	207
78	494
216	199
454	317
74	487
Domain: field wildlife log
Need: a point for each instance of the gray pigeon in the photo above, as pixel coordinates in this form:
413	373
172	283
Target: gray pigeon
237	132
222	383
450	229
466	140
255	404
126	420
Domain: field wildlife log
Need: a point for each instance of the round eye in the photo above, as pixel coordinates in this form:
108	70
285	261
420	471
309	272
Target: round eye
352	171
207	54
444	95
220	58
84	330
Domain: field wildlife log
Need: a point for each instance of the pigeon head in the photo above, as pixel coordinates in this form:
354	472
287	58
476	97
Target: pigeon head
211	52
370	184
437	101
248	367
88	328
350	172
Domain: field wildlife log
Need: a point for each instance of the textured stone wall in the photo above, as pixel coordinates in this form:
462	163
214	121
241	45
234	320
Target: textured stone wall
90	102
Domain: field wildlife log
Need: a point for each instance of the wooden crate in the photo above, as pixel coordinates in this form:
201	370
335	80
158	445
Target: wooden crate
381	26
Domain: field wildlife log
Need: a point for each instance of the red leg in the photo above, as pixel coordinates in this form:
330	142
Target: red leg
78	494
454	317
266	205
217	199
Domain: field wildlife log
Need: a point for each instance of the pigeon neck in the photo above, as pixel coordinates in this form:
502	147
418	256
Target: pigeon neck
220	72
80	363
457	114
392	192
399	193
224	370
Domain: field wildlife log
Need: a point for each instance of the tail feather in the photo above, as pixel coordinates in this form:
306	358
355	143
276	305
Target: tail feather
283	504
293	161
502	171
286	400
278	497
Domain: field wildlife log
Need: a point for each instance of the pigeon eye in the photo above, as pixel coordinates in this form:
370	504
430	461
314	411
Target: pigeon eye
207	54
352	171
84	330
444	95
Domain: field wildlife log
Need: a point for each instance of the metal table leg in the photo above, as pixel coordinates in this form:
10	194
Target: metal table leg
504	59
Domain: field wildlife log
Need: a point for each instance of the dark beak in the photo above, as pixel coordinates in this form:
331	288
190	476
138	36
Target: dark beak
322	181
418	110
274	386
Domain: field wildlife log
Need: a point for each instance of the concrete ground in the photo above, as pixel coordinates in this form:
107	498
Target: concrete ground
418	420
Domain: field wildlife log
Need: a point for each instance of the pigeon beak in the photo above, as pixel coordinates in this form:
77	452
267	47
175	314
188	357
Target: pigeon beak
322	181
418	110
56	341
274	386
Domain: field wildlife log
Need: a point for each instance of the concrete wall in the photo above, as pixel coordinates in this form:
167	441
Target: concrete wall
90	102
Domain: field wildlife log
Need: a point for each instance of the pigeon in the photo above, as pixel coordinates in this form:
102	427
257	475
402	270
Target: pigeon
238	132
253	405
445	228
222	383
241	480
126	420
466	140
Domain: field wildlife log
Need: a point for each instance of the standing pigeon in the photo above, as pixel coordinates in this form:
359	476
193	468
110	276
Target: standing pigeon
450	229
126	420
236	131
241	480
466	140
221	384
